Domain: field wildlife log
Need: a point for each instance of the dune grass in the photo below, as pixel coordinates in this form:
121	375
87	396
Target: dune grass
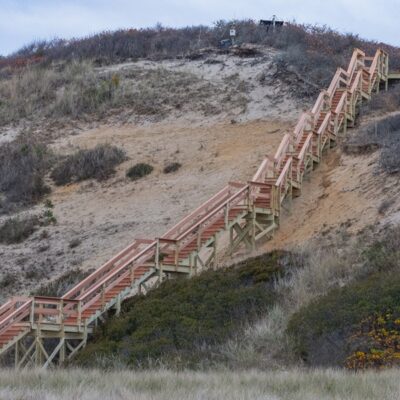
164	384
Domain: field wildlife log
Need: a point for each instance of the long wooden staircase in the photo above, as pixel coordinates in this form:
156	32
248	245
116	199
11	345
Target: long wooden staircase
42	331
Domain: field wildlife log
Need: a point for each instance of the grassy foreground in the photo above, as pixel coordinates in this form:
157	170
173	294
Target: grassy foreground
163	384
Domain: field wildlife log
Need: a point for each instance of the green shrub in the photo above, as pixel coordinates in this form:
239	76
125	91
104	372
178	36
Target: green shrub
97	163
183	321
16	230
139	171
23	165
323	328
383	254
172	167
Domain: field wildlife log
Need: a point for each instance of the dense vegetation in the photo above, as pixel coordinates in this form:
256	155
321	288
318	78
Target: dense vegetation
161	42
97	163
139	170
357	325
183	321
309	53
277	309
23	165
16	230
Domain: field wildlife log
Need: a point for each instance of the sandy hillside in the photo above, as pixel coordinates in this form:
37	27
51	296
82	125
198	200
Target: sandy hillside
346	193
97	219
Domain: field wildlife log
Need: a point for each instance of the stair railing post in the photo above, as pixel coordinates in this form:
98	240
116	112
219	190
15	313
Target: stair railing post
157	260
226	215
79	313
103	296
16	355
253	228
177	245
61	313
32	316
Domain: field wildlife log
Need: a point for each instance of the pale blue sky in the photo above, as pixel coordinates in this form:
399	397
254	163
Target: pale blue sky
22	21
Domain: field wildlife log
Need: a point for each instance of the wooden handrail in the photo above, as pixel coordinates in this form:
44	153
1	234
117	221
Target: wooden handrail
341	104
262	170
118	270
282	151
353	62
319	103
374	64
356	82
105	268
284	172
337	79
325	123
6	307
229	201
301	126
305	146
18	315
220	196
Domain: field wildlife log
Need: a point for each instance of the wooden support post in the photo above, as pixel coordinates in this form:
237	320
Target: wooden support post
214	254
103	296
118	305
16	355
27	353
79	314
226	216
290	197
61	358
38	352
195	261
177	249
191	264
253	229
56	351
157	262
73	350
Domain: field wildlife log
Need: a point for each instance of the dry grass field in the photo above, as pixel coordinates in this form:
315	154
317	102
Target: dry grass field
163	384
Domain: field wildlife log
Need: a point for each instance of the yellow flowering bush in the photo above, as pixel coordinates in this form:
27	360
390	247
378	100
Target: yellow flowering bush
378	342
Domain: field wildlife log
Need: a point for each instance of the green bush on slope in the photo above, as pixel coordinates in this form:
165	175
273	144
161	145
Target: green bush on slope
183	321
98	163
325	329
23	166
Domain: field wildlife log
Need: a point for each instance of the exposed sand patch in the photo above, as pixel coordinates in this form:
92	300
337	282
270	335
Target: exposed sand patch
344	191
106	216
